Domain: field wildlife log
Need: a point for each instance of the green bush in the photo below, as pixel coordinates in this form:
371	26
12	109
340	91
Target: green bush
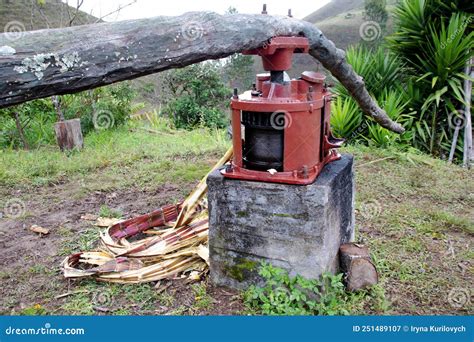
394	104
101	108
379	68
285	295
434	39
198	97
382	72
36	119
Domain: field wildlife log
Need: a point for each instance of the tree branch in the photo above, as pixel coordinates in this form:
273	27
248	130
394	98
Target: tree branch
68	60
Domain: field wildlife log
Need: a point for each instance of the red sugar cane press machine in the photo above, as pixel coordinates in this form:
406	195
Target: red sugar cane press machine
280	128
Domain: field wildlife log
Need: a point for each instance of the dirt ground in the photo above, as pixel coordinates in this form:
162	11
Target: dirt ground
29	263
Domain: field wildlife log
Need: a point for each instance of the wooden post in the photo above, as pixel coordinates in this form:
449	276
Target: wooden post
69	134
468	155
357	266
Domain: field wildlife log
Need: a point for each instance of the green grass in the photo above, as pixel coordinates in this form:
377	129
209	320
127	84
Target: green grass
123	155
106	211
201	299
424	229
82	241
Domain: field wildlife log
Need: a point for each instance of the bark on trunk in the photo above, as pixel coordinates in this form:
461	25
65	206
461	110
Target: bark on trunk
68	60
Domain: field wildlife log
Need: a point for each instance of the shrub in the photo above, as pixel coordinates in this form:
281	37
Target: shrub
198	97
285	295
36	119
382	72
105	107
435	40
394	104
100	108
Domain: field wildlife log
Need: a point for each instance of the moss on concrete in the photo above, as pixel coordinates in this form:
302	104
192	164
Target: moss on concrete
241	269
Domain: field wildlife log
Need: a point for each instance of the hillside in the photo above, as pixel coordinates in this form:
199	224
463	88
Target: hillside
32	16
334	8
340	20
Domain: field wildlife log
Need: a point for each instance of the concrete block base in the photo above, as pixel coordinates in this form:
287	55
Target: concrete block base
295	227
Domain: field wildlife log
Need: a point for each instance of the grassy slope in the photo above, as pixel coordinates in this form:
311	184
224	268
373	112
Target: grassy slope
416	218
332	21
53	14
334	8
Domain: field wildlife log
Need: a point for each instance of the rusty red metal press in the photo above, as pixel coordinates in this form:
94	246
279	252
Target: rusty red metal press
280	128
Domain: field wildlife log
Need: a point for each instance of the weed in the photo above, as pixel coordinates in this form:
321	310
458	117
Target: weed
83	241
35	310
180	310
144	295
201	299
79	303
285	295
122	312
106	211
166	299
41	269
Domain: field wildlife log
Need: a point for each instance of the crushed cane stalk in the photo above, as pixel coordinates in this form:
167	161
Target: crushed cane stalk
174	243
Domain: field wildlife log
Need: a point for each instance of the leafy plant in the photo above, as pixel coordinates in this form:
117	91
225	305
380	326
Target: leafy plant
197	96
379	69
435	40
106	211
285	295
345	117
394	104
382	74
100	108
35	310
31	124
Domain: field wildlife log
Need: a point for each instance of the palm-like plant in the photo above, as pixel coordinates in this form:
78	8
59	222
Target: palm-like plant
381	71
434	40
394	103
378	67
345	117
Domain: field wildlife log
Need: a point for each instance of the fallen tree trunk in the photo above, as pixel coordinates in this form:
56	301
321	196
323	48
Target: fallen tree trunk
59	61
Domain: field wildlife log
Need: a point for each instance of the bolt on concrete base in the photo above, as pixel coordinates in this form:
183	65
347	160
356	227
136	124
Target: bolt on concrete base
296	227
